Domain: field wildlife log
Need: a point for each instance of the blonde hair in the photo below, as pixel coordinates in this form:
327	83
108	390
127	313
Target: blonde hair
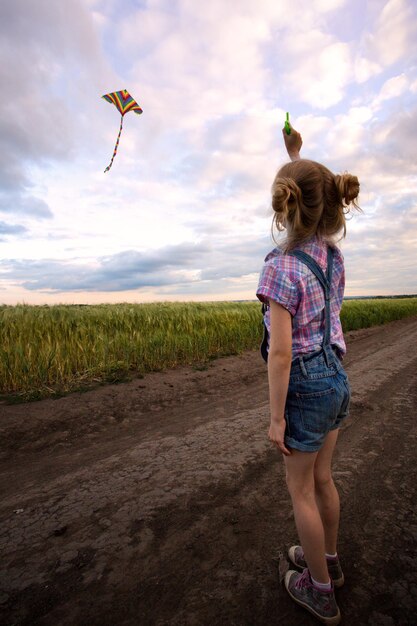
308	199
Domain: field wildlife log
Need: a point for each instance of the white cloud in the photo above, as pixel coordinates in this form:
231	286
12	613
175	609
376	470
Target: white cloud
130	270
364	69
322	71
42	44
321	67
328	5
392	88
197	166
395	33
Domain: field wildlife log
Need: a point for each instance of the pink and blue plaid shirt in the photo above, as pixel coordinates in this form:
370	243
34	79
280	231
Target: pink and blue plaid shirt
288	281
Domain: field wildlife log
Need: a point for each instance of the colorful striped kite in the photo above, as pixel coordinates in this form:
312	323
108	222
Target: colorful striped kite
124	103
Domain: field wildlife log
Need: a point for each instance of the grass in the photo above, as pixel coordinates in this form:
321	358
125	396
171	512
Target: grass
357	314
51	350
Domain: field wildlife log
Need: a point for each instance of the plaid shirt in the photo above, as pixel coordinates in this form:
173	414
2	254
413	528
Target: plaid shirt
288	281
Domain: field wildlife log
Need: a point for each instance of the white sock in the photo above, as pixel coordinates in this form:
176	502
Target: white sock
331	556
321	586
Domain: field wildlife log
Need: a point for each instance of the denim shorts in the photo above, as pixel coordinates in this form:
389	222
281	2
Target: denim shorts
318	399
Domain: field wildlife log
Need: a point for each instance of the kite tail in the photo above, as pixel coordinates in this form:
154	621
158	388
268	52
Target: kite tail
115	147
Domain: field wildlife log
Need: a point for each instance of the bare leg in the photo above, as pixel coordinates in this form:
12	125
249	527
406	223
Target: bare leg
300	481
327	497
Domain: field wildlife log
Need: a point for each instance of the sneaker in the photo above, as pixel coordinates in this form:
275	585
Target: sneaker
322	604
296	556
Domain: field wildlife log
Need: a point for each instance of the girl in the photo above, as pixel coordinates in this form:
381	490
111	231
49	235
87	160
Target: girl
302	285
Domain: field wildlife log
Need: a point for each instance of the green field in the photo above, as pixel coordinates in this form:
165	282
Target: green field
47	350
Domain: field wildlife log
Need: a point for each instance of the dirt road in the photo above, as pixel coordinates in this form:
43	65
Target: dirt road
162	502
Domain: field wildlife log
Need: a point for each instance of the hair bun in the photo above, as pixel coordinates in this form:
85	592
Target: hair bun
286	196
283	191
348	186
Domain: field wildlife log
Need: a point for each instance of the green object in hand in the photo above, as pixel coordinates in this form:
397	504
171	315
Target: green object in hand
287	124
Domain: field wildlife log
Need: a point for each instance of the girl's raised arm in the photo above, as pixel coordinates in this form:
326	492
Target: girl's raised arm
293	143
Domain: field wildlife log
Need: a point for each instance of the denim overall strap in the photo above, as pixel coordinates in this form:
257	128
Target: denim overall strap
329	273
325	281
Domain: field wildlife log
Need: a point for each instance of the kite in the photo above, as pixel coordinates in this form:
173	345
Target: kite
124	103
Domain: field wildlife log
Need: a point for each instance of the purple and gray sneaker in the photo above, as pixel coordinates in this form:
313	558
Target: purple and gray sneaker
296	556
322	604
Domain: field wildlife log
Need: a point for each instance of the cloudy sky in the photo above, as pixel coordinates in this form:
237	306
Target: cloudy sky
184	213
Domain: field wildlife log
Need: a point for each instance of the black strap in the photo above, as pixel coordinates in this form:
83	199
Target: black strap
264	344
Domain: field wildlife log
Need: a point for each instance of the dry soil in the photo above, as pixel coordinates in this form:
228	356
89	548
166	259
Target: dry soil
162	502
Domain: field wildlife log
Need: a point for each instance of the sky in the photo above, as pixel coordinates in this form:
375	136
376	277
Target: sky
185	212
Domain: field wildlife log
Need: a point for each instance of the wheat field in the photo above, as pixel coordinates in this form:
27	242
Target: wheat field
47	350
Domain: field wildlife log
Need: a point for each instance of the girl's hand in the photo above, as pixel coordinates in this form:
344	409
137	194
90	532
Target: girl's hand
276	435
293	143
